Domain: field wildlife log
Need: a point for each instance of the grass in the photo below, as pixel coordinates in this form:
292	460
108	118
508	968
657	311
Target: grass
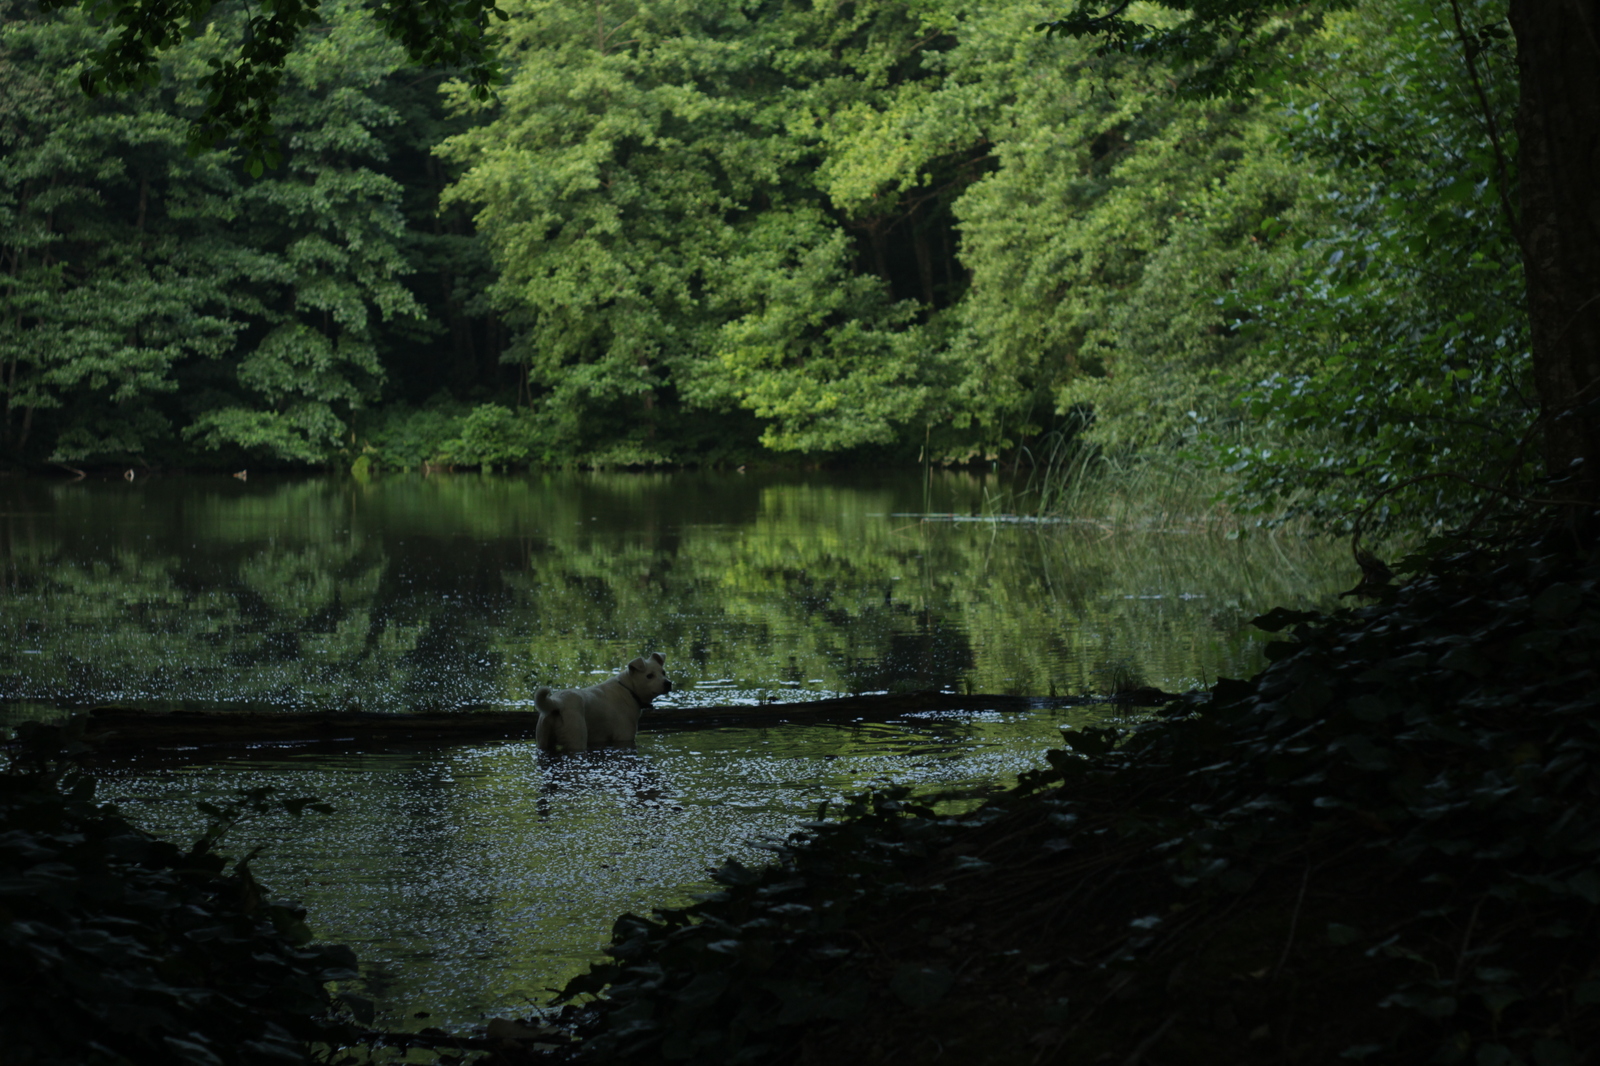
1145	492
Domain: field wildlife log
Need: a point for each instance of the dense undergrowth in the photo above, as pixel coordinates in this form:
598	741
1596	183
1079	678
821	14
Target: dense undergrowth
120	948
1381	848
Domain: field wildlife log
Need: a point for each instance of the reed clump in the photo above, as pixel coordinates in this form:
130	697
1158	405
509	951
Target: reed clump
1085	485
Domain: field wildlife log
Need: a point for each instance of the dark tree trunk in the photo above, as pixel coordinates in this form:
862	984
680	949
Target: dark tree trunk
924	253
1558	136
880	255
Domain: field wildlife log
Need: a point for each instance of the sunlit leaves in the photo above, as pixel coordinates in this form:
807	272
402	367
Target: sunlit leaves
1217	47
649	191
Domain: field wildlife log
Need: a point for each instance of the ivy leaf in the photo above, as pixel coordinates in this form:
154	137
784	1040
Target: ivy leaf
920	986
1280	618
1342	934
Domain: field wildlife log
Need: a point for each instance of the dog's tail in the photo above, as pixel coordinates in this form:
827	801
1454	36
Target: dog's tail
542	700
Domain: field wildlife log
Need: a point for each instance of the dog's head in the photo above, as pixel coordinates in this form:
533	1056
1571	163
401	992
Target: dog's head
648	678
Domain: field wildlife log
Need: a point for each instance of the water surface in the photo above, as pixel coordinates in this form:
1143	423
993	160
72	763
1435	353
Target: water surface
470	878
454	591
473	878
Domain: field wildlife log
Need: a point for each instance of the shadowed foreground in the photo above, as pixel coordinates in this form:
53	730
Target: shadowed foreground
1381	848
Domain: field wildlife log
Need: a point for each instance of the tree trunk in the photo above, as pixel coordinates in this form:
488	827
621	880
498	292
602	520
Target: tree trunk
880	257
1558	137
919	244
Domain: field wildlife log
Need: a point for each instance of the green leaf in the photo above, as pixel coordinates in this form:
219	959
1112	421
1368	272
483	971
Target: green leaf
1342	934
919	986
1427	1003
1280	618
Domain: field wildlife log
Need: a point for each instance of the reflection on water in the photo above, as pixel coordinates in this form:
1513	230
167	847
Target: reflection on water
471	879
411	593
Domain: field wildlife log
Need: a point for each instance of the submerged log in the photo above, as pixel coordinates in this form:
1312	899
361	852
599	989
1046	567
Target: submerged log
124	729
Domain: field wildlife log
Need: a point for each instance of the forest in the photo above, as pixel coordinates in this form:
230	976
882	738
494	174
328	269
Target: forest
717	234
1338	261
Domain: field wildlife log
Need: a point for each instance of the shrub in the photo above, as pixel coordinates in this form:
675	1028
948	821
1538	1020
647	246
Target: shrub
122	948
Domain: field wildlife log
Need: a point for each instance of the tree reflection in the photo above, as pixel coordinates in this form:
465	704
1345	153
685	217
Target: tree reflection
444	592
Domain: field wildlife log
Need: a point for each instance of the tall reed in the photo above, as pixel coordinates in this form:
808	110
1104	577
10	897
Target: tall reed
1147	491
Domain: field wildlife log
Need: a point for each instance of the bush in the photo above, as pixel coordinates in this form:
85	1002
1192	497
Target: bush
121	948
490	435
401	436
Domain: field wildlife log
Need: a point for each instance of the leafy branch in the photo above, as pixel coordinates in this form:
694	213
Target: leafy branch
243	88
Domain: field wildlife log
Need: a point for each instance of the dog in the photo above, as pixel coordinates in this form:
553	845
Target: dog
600	716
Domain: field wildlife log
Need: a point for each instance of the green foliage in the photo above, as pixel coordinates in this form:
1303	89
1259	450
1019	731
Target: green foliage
489	434
712	232
1217	47
155	298
244	81
123	948
448	434
680	220
401	437
1097	252
1403	346
96	310
649	194
826	376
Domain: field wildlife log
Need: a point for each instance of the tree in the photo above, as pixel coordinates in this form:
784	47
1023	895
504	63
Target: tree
1558	58
149	299
915	228
1225	44
242	87
100	299
1396	350
652	190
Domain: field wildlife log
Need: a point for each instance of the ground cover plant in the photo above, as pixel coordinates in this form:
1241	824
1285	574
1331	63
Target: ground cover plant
1381	848
121	948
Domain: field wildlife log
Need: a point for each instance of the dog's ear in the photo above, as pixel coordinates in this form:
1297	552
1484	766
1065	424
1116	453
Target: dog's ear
658	658
638	666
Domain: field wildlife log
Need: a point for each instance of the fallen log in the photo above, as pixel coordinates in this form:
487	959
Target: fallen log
124	729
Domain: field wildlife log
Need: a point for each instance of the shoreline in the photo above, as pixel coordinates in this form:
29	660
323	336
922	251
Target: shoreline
118	730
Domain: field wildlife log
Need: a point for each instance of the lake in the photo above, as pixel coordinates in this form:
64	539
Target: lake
472	877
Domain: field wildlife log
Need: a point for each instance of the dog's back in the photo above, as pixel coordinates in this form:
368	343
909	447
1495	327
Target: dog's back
606	714
561	727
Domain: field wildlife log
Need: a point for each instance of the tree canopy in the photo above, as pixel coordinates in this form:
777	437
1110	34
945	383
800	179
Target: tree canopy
243	83
714	232
1217	45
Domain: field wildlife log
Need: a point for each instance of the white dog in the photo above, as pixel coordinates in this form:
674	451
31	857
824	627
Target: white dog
603	715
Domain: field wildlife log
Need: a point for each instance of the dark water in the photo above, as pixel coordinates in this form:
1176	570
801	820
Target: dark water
472	877
412	593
